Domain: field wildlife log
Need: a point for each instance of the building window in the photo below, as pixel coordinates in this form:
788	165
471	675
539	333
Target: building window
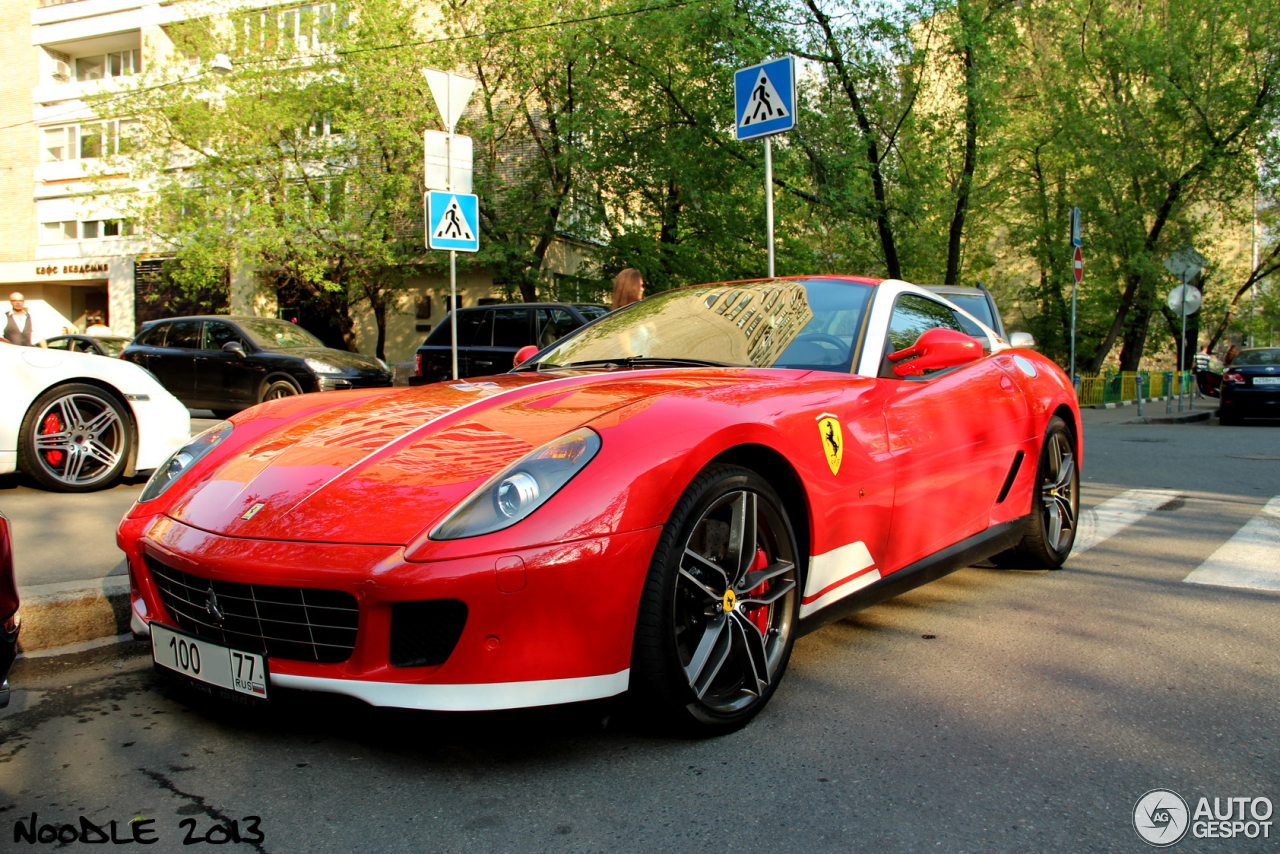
303	28
88	140
121	63
72	230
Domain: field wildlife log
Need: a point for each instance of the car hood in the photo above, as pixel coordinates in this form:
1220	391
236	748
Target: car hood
379	469
341	358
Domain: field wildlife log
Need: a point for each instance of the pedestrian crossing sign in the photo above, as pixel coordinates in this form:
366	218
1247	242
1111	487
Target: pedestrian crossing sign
453	221
765	98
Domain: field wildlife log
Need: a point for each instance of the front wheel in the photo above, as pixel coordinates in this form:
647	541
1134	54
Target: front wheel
1055	505
277	389
75	438
720	605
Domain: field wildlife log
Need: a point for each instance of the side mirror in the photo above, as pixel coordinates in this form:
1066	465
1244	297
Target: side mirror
935	349
1022	339
524	354
234	347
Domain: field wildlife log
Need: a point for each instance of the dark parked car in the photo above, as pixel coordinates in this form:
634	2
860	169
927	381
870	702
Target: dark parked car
8	611
979	302
1251	386
490	335
231	363
99	345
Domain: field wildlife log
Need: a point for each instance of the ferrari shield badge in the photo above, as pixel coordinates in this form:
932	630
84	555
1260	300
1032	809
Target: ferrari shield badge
832	443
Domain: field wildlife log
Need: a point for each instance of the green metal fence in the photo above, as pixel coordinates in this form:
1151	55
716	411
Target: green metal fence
1117	387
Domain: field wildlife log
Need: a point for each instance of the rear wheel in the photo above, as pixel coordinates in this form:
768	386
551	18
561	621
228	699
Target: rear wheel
1227	415
1055	505
720	605
75	438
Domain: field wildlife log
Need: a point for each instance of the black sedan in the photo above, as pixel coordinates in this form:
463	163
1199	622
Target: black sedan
490	335
231	363
1251	386
98	345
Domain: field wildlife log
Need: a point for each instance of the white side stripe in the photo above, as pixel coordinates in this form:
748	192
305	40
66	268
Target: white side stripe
1251	558
1115	514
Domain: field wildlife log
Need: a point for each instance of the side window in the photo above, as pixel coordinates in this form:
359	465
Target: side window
216	334
973	330
511	327
912	316
553	324
152	336
468	323
184	334
64	344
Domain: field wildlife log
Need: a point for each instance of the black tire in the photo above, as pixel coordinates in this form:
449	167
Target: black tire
1055	505
75	438
277	389
717	620
1228	416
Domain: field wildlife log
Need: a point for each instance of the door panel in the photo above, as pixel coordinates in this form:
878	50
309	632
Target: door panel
224	380
174	363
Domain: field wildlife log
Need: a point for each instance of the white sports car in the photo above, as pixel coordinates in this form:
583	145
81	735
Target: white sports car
76	422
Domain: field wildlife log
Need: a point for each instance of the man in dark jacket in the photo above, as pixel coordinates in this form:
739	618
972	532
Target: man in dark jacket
17	321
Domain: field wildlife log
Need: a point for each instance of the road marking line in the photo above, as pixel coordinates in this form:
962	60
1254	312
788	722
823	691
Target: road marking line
1115	514
1251	558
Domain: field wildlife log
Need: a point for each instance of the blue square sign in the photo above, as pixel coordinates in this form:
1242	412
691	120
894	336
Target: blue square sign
453	221
764	98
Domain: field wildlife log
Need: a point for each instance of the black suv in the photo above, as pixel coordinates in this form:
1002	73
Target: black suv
231	363
490	335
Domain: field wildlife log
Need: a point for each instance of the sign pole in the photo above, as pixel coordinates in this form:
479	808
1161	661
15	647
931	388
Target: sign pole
1182	349
768	197
453	255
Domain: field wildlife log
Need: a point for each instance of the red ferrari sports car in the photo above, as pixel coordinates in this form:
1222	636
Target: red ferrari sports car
661	502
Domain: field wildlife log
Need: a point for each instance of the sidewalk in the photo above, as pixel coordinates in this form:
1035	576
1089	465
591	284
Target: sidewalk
85	602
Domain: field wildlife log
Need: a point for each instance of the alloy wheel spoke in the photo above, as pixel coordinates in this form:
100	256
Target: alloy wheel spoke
742	535
70	410
773	594
708	564
54	441
1053	523
102	422
101	452
704	589
75	464
756	660
752	580
713	649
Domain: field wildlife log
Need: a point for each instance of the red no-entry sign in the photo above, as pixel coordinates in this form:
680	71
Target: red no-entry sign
1077	266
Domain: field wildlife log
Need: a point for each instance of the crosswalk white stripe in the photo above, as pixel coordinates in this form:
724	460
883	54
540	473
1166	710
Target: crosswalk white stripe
1251	558
1115	514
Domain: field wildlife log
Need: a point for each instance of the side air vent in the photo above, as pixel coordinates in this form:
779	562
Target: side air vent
1008	481
424	633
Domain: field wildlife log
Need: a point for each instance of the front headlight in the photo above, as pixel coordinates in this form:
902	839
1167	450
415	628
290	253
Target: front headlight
521	488
183	459
324	367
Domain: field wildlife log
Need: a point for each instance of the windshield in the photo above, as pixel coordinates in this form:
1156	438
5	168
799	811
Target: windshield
810	324
1257	357
277	334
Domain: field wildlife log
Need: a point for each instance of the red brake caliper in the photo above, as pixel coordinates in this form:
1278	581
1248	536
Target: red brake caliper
759	615
52	424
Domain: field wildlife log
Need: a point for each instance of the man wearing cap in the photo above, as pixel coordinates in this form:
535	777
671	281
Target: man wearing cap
17	325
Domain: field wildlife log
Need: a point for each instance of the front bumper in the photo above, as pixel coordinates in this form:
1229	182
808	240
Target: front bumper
545	625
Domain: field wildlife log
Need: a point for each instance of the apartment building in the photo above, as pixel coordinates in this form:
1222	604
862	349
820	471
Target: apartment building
61	245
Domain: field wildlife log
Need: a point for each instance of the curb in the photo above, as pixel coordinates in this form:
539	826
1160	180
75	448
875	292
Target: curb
59	615
1177	418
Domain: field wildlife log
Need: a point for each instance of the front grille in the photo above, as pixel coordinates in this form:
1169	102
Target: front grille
297	623
424	633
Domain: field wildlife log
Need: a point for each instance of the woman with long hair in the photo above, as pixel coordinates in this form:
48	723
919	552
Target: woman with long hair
628	287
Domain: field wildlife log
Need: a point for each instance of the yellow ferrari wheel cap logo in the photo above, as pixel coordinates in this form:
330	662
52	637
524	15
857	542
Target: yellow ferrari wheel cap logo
730	601
832	441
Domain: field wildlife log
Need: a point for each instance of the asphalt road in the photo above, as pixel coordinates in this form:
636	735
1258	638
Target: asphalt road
989	711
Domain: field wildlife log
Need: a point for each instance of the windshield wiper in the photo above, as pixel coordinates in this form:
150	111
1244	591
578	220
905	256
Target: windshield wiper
649	361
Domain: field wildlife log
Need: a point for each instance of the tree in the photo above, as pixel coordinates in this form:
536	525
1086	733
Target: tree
303	164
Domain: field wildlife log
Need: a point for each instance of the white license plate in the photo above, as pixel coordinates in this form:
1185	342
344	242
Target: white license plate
205	661
1266	380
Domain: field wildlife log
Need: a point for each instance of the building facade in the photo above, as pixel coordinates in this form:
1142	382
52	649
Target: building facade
76	260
